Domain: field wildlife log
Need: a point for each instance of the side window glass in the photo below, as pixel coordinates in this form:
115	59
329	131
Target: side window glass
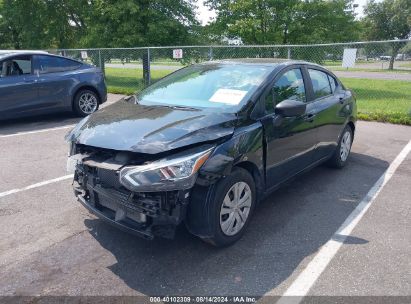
333	83
321	84
49	64
289	86
24	65
16	66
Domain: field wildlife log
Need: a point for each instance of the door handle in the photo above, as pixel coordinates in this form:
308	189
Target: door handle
310	117
30	80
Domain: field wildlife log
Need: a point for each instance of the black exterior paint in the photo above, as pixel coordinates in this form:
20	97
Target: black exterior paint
271	147
126	126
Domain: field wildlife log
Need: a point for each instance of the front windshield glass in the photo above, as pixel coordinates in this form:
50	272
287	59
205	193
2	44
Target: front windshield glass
225	87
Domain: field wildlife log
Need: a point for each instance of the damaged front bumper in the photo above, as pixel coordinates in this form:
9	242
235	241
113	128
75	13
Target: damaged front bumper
146	214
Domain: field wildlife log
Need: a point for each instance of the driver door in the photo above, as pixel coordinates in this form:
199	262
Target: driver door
290	141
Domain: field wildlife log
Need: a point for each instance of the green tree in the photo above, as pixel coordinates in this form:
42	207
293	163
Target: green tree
131	23
43	24
320	21
40	24
20	24
285	21
254	21
67	22
389	20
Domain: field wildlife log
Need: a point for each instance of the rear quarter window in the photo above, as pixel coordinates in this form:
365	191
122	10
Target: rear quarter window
50	64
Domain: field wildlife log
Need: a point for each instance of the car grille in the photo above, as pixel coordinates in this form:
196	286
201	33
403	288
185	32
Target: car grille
109	178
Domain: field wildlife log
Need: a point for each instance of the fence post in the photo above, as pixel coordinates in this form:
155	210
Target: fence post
288	53
210	53
146	68
99	58
101	63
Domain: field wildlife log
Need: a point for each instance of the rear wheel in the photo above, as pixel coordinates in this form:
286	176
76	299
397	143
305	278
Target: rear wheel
340	156
231	210
86	102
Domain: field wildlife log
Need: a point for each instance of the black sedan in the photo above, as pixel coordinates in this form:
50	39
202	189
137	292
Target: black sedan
205	144
37	83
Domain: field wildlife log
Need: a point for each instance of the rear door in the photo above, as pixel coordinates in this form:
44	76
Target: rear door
290	141
18	86
329	99
55	79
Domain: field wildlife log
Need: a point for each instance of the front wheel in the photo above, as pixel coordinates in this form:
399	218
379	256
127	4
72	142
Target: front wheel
340	156
86	102
231	210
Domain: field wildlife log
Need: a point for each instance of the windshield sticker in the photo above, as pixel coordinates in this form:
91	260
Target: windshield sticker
228	96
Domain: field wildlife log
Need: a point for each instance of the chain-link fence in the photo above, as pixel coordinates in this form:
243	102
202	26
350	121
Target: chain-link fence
378	71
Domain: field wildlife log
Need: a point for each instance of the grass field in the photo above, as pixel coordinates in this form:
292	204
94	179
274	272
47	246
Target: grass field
405	65
396	70
339	62
154	62
378	100
128	81
382	100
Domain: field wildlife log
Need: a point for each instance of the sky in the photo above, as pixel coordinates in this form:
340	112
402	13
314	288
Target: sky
360	9
204	15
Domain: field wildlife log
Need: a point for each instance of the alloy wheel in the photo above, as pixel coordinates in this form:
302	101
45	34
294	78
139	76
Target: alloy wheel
345	146
235	208
88	103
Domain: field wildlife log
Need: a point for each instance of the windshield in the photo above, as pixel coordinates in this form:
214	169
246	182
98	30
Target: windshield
225	87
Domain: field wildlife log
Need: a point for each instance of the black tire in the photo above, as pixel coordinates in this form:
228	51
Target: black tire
218	237
337	160
79	109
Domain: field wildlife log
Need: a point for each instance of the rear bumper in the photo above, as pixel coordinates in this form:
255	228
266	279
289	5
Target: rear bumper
103	93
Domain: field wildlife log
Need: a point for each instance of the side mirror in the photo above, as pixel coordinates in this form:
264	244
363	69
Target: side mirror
290	108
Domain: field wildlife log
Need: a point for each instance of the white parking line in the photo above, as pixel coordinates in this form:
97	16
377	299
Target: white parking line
50	181
306	279
37	131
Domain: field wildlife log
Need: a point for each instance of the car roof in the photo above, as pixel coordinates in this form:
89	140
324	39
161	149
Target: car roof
270	62
3	52
9	53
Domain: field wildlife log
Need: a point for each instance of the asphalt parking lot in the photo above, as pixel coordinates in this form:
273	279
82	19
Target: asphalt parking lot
50	245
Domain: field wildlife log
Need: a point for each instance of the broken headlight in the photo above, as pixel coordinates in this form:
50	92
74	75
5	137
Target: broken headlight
174	173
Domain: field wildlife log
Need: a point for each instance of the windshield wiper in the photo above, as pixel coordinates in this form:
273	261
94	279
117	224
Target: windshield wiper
180	107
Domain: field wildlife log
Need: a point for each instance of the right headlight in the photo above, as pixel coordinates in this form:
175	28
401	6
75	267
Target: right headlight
174	173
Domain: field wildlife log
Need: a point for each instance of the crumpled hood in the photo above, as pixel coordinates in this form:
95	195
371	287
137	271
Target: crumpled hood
150	129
